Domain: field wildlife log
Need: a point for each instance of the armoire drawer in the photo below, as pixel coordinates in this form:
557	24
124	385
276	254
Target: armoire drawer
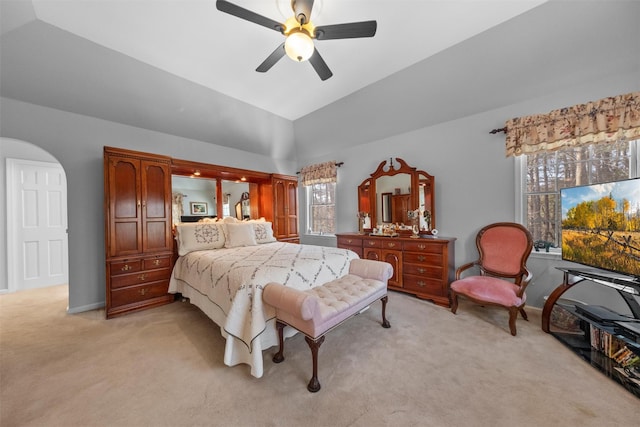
156	262
140	277
125	266
139	293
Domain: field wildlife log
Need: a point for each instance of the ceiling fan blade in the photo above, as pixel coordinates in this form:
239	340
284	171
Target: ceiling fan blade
347	31
271	59
302	10
242	13
320	66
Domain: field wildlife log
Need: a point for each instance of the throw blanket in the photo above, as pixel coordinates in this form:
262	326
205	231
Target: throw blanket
227	285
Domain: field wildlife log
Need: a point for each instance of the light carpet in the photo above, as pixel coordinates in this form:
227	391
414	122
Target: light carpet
164	367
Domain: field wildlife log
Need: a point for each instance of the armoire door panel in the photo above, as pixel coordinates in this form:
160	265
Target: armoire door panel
125	240
154	186
156	236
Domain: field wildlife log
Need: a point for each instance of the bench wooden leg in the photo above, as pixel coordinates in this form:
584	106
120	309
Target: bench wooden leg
279	356
314	345
385	322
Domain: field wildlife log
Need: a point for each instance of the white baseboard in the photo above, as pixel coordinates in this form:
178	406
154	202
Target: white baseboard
83	308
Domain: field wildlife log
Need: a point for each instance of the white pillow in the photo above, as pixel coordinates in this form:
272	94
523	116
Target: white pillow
263	232
239	234
229	220
199	236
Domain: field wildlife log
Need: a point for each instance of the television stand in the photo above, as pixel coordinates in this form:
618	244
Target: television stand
607	340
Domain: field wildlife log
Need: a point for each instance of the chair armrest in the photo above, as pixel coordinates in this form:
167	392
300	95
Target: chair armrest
370	269
465	267
290	300
525	282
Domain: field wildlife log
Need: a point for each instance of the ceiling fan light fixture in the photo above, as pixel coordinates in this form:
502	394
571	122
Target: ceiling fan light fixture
299	45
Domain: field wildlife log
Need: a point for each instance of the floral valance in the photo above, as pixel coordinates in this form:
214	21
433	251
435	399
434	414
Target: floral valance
607	120
319	173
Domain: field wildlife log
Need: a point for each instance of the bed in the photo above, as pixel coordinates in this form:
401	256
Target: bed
222	268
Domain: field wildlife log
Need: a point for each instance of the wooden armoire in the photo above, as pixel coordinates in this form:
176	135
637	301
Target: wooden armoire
138	237
285	208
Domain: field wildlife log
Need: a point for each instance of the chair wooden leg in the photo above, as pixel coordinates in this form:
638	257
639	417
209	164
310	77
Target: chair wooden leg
385	322
523	313
279	356
314	345
513	315
454	302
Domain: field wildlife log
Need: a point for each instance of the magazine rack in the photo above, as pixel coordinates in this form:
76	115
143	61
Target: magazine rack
607	340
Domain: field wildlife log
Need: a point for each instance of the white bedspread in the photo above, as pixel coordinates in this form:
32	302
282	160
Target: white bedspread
227	285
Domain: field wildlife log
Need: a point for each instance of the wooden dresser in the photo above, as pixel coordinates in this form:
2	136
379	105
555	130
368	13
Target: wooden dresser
138	239
423	267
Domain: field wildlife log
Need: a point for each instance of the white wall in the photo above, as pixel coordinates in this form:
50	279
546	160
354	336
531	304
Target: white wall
474	180
77	142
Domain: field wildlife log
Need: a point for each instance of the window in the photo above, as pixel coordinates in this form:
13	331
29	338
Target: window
544	174
321	208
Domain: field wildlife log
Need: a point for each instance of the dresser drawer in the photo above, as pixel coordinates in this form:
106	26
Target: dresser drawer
125	267
382	244
156	262
424	246
349	241
433	272
356	249
423	258
423	285
139	293
140	277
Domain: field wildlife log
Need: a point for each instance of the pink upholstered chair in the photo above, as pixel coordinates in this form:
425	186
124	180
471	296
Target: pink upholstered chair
504	248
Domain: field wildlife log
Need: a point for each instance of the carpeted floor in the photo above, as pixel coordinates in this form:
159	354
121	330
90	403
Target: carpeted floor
163	367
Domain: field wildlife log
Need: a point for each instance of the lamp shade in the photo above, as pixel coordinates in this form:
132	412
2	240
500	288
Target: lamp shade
299	46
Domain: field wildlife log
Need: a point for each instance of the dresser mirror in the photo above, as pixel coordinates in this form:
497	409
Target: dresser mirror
393	192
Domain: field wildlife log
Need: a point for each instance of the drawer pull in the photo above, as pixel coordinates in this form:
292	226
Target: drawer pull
421	283
372	243
142	291
422	270
421	246
391	245
421	257
349	241
156	262
126	267
142	276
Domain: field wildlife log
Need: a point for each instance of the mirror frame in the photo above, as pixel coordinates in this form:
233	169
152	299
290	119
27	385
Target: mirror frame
367	195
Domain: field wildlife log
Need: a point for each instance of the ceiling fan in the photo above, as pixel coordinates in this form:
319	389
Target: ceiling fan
300	32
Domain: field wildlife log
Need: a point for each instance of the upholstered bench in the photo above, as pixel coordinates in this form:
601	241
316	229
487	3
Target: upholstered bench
316	311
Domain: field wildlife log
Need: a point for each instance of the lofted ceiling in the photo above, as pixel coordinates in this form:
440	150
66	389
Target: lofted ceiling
186	69
193	40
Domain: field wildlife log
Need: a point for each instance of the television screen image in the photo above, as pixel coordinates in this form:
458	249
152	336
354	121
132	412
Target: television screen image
601	226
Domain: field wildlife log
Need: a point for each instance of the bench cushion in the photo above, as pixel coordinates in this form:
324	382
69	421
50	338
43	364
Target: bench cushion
317	310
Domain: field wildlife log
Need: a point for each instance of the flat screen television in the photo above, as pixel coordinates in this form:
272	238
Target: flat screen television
601	226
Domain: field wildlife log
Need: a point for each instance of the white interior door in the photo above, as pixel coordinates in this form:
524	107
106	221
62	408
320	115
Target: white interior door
37	246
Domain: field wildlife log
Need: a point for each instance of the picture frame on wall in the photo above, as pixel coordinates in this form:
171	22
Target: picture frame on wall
199	208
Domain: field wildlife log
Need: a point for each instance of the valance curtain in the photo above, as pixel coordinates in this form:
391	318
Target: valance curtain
319	173
607	120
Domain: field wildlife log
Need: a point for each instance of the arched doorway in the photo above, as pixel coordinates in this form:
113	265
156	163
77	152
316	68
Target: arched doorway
35	217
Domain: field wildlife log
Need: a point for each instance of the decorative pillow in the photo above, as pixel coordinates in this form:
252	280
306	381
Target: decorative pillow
209	220
199	236
239	234
263	232
229	220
